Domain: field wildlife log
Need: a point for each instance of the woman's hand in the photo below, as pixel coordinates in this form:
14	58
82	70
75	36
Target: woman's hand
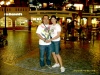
47	41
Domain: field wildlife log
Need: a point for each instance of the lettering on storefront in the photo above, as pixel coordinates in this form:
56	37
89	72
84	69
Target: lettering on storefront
13	14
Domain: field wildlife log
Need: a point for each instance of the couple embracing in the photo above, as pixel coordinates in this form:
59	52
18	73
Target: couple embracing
49	42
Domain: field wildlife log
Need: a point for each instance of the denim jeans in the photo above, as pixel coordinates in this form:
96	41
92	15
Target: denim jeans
45	49
55	46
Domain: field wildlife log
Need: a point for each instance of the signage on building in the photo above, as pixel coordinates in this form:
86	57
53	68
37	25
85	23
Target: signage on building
13	14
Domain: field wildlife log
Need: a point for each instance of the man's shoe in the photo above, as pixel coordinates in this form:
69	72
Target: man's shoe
49	66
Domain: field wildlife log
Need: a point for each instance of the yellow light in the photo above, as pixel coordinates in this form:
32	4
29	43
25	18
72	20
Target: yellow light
44	5
12	1
8	3
63	18
2	2
78	6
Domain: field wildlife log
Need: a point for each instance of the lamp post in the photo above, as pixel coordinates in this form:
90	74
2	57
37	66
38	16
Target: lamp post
5	3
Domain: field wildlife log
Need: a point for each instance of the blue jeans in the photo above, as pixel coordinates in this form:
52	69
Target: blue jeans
55	46
45	49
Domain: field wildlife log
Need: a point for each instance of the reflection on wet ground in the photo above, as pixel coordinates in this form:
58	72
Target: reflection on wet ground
21	56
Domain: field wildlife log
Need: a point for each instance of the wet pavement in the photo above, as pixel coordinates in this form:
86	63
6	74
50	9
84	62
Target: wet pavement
21	56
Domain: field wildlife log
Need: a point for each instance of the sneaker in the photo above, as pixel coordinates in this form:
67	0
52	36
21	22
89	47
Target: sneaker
55	65
62	69
48	66
43	68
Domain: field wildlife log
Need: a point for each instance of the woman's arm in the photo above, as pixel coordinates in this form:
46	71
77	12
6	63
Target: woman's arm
57	36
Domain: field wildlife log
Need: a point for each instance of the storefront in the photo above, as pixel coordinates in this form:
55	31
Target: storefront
21	22
94	22
36	21
84	22
68	19
16	18
8	22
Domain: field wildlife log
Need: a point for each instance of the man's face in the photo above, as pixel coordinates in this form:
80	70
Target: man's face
46	20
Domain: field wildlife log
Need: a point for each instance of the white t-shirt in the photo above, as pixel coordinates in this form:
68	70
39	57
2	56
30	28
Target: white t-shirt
43	30
54	29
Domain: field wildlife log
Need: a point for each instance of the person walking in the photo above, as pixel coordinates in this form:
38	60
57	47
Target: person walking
55	34
45	47
29	25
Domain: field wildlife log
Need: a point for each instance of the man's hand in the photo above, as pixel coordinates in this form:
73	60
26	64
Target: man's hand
47	41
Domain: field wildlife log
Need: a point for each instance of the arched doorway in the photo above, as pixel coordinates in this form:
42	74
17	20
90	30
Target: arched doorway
8	22
21	22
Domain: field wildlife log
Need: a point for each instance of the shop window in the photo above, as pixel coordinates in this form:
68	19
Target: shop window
36	21
8	22
21	21
69	20
94	22
84	22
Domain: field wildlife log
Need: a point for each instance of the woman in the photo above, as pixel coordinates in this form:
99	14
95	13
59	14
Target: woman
55	34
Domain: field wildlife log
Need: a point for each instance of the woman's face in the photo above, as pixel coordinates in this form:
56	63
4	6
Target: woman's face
53	20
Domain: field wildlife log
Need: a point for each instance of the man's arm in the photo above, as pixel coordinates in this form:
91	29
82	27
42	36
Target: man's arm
40	37
58	35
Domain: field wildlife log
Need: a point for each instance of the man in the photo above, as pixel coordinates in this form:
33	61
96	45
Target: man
29	25
44	46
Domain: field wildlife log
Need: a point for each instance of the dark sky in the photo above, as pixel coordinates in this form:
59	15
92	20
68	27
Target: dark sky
55	1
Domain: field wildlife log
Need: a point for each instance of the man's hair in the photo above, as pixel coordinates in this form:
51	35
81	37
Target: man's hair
45	15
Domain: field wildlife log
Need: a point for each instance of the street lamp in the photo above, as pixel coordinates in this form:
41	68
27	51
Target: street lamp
5	3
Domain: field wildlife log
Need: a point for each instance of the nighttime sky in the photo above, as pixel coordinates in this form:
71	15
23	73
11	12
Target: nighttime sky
55	1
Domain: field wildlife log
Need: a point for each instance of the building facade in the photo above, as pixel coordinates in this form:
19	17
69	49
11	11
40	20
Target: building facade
16	17
19	15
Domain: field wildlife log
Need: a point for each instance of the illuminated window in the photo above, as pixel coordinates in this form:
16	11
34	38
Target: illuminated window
94	22
69	20
78	6
21	21
36	21
84	21
8	22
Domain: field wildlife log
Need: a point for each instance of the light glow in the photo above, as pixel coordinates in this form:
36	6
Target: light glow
2	2
78	6
8	3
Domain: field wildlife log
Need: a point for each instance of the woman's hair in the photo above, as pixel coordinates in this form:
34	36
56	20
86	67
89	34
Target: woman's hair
58	19
53	16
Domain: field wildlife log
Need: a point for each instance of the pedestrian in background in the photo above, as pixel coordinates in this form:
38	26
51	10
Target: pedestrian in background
29	25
